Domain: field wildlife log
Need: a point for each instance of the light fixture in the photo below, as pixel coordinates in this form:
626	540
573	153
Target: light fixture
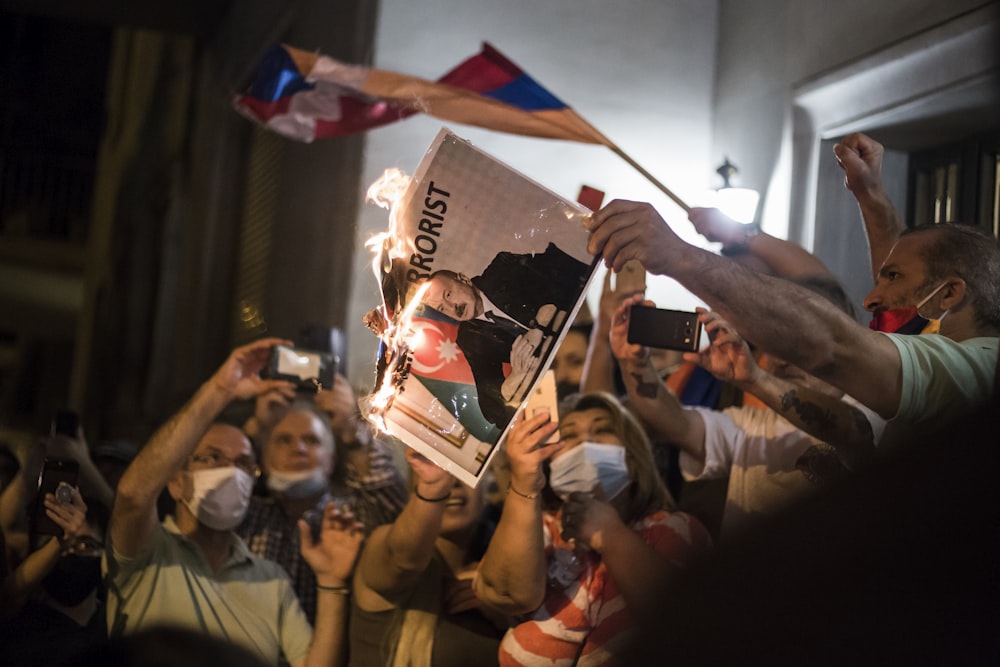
740	204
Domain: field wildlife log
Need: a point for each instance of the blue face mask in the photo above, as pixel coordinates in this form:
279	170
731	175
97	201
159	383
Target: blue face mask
585	466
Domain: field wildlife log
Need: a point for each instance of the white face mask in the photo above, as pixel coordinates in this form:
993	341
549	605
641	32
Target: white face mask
297	484
587	464
219	496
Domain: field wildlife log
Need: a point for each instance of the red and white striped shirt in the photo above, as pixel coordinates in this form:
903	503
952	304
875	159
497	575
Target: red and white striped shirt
587	622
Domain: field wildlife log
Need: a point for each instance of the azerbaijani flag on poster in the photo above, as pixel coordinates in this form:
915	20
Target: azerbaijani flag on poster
439	364
306	96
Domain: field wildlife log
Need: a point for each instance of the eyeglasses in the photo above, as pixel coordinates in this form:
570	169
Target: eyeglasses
213	459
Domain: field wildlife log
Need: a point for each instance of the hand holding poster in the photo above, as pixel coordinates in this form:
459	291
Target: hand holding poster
482	270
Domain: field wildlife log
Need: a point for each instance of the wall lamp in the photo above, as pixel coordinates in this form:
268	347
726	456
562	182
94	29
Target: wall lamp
740	204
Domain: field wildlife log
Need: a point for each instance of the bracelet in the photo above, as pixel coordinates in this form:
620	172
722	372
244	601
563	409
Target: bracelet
431	500
510	487
339	590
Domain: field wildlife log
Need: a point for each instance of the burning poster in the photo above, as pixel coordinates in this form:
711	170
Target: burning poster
481	271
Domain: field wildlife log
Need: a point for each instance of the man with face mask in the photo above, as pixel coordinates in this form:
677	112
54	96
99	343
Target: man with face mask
899	300
915	382
193	570
300	459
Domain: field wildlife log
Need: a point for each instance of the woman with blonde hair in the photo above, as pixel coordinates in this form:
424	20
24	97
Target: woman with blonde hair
576	553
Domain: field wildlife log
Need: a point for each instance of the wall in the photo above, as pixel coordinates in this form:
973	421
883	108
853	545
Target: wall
640	71
796	46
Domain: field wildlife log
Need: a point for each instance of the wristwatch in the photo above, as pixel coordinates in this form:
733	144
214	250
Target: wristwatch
742	247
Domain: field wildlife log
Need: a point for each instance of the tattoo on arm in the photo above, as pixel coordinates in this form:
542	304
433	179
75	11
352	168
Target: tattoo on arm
822	419
645	388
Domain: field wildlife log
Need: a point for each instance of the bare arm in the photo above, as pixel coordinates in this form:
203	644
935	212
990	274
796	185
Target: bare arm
92	483
778	316
332	559
860	157
636	567
839	424
511	576
826	417
24	581
134	518
599	368
648	397
783	258
396	555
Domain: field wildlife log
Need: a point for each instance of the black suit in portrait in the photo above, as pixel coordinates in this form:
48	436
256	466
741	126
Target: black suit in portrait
521	284
486	346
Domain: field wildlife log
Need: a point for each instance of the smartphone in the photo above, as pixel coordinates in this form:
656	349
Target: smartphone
65	422
665	329
308	369
631	279
54	472
543	400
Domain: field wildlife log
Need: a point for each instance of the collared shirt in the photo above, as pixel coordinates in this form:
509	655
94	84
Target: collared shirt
248	601
376	498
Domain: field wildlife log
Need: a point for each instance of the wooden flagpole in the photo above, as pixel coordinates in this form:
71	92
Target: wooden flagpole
595	133
652	179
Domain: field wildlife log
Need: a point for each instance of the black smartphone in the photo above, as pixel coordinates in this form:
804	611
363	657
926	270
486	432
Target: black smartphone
665	329
54	472
308	369
65	422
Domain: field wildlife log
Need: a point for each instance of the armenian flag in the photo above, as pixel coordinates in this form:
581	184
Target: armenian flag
306	96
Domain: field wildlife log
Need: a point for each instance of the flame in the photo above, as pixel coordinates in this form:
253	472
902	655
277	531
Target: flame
388	189
397	335
399	338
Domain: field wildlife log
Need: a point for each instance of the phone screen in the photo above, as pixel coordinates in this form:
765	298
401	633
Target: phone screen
665	329
307	368
298	363
54	472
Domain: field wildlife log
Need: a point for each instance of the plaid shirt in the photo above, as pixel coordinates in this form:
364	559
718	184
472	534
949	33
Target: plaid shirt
376	498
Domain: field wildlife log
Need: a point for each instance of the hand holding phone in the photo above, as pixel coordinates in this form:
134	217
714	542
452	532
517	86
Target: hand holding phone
55	473
306	368
664	329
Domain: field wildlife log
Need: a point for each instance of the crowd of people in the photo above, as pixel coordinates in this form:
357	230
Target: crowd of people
850	456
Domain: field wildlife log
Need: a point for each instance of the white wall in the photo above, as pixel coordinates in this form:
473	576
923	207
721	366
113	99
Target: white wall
849	54
641	71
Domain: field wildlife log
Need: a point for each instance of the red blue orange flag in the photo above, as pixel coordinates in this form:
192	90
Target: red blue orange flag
308	96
